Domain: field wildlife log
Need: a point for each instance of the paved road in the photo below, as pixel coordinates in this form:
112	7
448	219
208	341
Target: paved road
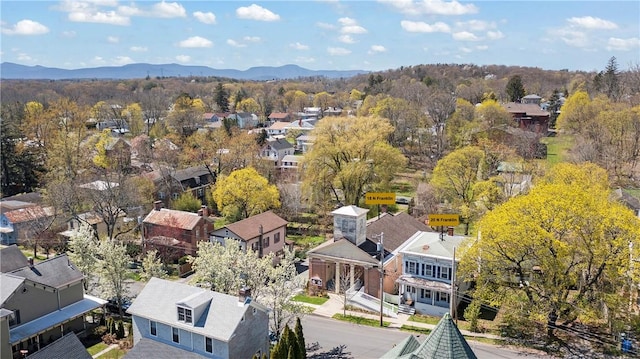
340	340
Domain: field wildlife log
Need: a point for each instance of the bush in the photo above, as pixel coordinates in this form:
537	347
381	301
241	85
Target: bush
109	339
120	329
471	314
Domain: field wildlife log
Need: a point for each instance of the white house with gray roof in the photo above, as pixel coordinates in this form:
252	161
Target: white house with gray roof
427	269
176	320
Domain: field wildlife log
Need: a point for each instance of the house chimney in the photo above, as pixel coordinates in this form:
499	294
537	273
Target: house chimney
244	295
205	210
450	231
200	212
157	205
30	262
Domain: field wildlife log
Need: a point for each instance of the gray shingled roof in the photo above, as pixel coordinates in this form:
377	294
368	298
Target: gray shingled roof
8	285
12	258
158	300
147	348
280	144
55	272
396	228
445	342
343	249
69	346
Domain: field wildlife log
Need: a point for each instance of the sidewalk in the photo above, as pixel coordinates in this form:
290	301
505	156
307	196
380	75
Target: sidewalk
110	347
334	306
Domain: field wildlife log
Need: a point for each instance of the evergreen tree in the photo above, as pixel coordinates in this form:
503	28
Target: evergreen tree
302	346
222	98
120	330
292	353
610	79
515	89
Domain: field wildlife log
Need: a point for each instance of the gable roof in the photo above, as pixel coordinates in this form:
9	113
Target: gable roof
250	227
54	272
147	348
279	144
12	258
343	249
397	229
191	172
278	125
352	211
29	214
222	315
173	218
68	346
11	205
8	285
530	109
278	115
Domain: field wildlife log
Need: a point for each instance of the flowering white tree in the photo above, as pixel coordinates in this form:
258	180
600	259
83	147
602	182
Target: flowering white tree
82	252
112	270
152	266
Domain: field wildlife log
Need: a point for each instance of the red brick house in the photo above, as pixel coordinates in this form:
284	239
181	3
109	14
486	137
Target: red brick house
529	116
178	230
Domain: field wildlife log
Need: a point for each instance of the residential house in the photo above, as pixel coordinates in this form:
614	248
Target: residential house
629	201
265	233
332	111
177	231
529	116
19	221
278	128
171	183
280	117
91	219
118	151
513	179
290	162
342	263
176	320
302	125
427	262
444	341
304	142
245	119
531	99
40	303
275	149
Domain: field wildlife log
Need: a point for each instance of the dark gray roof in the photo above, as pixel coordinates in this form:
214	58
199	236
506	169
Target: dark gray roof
55	272
191	172
342	249
8	285
280	144
11	258
69	346
147	348
396	228
445	342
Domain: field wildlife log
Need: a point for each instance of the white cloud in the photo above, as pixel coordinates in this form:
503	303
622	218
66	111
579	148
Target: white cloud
573	37
338	51
324	25
234	43
353	29
482	47
98	60
476	25
69	34
138	48
465	36
183	58
299	46
123	60
195	41
256	12
623	44
347	39
494	35
376	49
419	26
26	27
109	17
592	23
167	10
347	21
466	50
205	17
251	38
24	57
113	39
302	59
431	7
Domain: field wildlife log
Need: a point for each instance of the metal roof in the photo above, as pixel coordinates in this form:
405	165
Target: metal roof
173	218
29	214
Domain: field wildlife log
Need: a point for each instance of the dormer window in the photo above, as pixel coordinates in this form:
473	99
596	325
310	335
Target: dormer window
185	315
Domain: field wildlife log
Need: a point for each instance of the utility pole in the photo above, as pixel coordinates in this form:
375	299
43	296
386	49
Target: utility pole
452	297
381	277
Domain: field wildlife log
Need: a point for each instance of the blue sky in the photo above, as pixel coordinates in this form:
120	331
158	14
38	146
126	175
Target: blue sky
321	34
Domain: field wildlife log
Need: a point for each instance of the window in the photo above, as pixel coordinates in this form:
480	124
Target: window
185	315
412	268
276	237
208	345
266	242
176	335
174	196
14	318
442	297
428	270
200	192
425	293
161	195
444	273
254	246
153	328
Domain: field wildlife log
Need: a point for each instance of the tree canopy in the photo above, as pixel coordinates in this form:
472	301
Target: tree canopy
245	193
350	155
563	250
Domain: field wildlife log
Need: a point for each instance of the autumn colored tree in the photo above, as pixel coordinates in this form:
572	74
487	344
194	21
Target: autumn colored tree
350	156
186	202
560	253
134	116
248	105
245	193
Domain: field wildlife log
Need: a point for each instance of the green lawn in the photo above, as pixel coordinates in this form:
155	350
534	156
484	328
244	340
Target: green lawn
311	300
410	328
427	319
558	148
97	348
360	320
633	191
306	241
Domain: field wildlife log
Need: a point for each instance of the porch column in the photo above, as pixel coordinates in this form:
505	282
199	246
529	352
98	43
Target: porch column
351	270
337	278
433	297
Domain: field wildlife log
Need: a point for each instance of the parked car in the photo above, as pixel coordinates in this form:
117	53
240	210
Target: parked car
112	305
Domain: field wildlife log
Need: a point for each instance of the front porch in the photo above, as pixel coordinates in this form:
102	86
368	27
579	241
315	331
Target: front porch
425	296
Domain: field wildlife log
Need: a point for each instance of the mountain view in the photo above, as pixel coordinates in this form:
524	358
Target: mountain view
10	70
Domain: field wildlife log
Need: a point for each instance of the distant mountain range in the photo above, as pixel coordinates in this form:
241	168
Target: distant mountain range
9	70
